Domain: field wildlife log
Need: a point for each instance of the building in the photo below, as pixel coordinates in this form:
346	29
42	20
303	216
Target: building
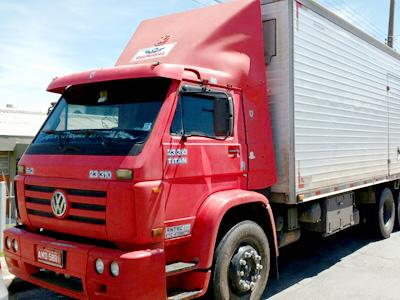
17	129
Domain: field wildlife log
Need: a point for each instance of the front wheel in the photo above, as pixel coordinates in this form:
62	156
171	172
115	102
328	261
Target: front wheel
242	263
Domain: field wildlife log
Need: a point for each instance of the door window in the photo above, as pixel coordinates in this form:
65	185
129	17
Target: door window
208	115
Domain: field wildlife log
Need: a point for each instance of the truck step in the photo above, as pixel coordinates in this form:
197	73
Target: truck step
179	267
183	295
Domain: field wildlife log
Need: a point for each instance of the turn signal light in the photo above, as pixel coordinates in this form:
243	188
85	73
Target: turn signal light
21	169
157	232
124	174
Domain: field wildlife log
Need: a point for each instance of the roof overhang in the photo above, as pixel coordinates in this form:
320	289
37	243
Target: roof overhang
8	143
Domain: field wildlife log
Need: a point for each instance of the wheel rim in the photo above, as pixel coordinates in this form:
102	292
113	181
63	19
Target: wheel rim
245	270
387	213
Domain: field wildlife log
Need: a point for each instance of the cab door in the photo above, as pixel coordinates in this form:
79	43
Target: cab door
204	151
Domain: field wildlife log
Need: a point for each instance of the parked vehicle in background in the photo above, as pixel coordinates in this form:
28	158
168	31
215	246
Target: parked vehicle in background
221	135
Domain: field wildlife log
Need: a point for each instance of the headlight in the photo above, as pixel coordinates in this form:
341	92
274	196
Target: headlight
99	266
15	245
114	269
8	243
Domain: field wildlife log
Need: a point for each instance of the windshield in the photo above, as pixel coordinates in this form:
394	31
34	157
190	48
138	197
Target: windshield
112	118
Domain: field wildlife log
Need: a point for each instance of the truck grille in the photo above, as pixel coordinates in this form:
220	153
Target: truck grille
86	206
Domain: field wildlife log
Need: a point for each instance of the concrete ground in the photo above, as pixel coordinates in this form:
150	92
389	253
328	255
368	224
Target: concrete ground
348	265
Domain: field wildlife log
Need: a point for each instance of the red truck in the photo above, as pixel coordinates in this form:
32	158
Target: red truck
220	136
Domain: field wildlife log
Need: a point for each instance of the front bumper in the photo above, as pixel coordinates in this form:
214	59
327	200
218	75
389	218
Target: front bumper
142	273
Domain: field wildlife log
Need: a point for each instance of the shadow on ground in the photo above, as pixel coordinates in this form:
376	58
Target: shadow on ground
22	290
312	255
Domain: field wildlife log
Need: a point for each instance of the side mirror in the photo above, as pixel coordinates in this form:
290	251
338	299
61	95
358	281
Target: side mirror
223	117
50	109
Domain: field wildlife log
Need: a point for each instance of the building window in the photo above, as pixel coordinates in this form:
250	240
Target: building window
4	166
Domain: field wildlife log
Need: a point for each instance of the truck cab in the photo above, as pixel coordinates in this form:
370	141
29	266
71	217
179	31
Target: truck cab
146	174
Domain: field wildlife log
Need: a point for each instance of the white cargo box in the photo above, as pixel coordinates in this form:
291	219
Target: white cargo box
334	100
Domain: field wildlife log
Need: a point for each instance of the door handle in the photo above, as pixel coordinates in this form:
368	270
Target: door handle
234	151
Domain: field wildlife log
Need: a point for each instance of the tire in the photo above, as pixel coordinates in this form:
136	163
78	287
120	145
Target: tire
233	280
386	213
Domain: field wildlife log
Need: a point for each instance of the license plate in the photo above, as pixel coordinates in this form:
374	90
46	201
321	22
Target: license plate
50	256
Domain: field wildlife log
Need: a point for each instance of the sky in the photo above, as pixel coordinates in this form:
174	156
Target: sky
42	39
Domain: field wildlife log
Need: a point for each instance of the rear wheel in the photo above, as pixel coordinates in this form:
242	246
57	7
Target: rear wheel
242	263
397	203
386	213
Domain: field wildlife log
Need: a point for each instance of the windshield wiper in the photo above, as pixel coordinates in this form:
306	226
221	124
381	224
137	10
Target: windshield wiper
58	134
61	145
51	131
69	147
97	133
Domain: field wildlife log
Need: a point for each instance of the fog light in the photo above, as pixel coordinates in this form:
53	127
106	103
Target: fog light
8	243
99	266
114	269
15	245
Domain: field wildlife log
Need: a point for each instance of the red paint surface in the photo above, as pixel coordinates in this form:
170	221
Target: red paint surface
223	48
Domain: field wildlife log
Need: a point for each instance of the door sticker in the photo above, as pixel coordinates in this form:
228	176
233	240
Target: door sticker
177	231
177	156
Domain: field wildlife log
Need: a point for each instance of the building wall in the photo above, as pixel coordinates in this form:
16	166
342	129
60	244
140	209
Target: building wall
9	160
15	156
4	165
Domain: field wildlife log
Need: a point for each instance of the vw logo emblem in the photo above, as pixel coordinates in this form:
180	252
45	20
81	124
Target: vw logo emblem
59	204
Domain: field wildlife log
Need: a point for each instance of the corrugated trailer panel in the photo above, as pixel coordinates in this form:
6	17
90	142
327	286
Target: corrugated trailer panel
346	121
341	105
394	123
